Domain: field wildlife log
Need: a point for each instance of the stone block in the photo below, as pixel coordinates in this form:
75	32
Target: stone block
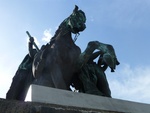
84	101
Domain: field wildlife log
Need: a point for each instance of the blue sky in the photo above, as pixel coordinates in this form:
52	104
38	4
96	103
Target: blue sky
121	23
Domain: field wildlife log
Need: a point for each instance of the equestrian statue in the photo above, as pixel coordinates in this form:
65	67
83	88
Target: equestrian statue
61	64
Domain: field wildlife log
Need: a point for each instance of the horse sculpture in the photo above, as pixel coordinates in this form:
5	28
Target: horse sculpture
55	64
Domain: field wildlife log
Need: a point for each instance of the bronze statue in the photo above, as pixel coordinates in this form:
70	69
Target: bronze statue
55	65
60	62
92	75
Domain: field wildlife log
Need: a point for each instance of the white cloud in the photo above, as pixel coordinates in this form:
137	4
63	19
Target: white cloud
132	84
47	35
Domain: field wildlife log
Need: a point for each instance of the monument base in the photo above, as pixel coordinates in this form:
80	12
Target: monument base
12	106
51	100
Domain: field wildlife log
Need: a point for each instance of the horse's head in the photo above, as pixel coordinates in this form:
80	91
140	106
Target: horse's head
73	24
76	21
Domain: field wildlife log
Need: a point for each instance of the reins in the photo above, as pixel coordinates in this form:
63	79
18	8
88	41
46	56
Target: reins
76	36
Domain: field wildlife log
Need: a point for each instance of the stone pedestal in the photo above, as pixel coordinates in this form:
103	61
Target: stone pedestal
85	101
51	100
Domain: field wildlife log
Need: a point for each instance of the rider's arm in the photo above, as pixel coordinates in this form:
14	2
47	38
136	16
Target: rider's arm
32	51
